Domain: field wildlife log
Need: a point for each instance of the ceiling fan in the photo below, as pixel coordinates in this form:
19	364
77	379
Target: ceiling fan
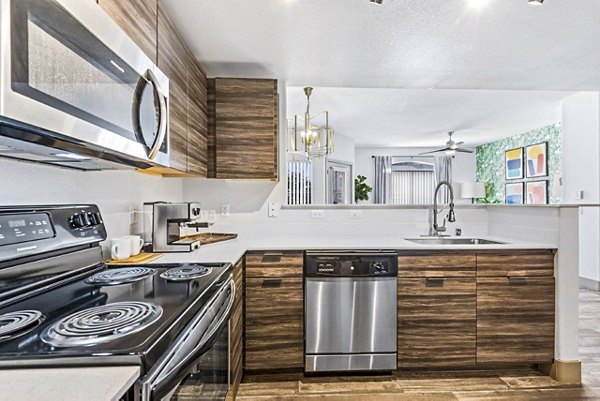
451	147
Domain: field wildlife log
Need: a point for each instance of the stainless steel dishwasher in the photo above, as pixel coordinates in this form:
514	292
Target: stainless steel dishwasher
350	311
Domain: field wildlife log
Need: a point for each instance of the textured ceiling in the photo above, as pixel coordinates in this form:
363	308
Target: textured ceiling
419	117
402	44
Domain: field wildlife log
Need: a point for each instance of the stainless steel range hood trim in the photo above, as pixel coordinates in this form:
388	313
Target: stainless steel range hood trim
52	141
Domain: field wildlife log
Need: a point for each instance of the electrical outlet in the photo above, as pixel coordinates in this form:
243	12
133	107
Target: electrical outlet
225	209
356	214
317	214
133	216
274	209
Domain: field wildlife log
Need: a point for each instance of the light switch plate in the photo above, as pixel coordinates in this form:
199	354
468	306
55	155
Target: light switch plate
579	195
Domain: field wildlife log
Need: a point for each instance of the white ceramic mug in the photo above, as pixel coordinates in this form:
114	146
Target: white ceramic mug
120	248
137	243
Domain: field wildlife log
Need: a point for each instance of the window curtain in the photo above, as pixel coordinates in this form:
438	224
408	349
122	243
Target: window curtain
383	179
443	172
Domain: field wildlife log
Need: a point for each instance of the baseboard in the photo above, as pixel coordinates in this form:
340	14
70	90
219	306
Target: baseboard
564	372
589	283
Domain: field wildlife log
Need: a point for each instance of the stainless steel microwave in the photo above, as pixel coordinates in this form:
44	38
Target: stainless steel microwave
76	91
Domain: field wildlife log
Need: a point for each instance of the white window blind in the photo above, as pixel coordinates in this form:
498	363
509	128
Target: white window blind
299	179
412	187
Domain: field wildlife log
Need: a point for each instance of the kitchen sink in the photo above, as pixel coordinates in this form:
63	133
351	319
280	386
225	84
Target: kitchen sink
453	241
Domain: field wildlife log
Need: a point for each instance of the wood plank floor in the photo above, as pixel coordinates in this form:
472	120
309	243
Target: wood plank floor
507	385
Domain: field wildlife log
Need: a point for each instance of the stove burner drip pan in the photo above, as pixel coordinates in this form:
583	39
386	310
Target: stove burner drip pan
101	324
122	275
14	324
186	272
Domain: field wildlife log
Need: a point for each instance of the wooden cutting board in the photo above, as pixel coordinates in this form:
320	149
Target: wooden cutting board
139	259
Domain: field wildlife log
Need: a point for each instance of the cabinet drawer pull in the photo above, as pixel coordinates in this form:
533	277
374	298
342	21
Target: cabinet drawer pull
272	257
271	282
517	280
434	281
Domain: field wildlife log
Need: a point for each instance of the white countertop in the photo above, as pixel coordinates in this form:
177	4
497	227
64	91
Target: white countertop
232	250
109	383
86	384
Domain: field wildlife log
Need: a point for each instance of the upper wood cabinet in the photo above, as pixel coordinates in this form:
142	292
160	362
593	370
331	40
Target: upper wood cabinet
244	125
138	19
187	100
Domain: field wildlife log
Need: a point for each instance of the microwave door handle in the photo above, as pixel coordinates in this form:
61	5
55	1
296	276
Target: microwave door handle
167	380
163	113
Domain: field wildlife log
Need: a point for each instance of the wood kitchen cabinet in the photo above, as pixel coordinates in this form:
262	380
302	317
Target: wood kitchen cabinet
138	19
237	331
515	307
187	100
437	310
274	324
244	122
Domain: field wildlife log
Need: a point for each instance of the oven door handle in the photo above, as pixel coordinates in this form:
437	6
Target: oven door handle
172	369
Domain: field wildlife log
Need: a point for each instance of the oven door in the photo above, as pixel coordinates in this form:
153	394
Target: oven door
70	73
204	342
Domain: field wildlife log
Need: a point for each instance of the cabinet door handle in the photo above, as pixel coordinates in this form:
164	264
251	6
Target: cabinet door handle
271	282
434	281
517	280
272	257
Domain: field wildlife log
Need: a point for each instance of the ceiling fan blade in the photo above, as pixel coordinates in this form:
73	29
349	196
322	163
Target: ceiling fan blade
433	151
459	143
464	150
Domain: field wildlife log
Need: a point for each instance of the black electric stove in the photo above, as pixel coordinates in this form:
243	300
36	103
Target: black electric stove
60	305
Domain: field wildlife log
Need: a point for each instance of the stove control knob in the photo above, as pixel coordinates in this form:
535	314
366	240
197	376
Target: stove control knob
94	218
80	220
379	267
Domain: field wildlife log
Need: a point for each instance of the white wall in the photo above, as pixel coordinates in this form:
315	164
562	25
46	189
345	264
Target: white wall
581	172
581	147
463	165
532	224
115	192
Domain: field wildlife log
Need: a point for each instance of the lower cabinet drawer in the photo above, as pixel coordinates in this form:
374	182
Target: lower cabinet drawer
515	320
436	322
274	323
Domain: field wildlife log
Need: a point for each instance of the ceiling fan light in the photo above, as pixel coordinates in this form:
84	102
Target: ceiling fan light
450	152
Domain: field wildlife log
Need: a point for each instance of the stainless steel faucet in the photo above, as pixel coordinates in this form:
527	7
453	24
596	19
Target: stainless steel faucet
436	229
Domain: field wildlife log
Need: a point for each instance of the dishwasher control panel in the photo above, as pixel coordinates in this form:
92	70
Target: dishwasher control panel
351	264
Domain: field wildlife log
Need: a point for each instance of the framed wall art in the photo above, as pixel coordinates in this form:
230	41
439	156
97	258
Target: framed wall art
536	160
514	193
537	192
514	164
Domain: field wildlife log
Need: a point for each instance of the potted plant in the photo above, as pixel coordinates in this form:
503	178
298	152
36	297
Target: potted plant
361	189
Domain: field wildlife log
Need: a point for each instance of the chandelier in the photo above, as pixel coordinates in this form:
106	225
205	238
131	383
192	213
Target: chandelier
314	132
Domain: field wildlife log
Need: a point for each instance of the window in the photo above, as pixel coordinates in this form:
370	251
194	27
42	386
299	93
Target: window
412	181
299	182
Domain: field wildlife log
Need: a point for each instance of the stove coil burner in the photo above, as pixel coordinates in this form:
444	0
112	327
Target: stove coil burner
186	272
14	324
101	324
122	275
